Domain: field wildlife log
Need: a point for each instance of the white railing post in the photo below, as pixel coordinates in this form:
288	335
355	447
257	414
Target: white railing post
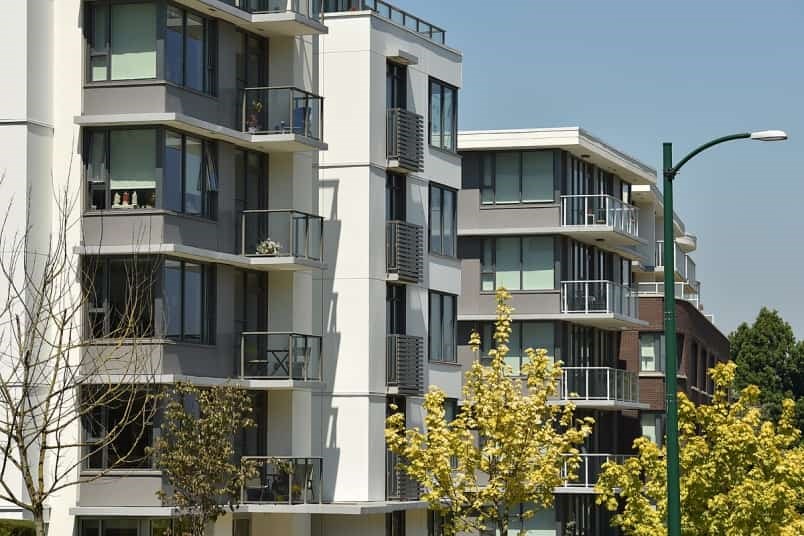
586	381
586	297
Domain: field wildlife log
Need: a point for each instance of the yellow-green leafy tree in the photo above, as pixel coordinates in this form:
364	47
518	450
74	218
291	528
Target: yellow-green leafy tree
741	474
507	446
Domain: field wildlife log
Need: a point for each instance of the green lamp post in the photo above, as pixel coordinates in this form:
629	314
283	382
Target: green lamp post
671	355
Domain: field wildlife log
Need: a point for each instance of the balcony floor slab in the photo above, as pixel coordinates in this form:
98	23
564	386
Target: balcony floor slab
283	23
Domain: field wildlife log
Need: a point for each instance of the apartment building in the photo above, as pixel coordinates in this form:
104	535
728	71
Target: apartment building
188	132
388	193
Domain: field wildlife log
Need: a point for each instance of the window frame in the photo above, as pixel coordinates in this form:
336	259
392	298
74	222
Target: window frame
105	411
493	240
660	359
207	300
444	190
489	158
487	343
441	297
444	87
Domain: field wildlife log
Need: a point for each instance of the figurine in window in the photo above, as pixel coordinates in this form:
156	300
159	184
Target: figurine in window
116	201
134	199
125	199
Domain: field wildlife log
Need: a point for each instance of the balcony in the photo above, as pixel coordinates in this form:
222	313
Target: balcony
399	486
684	291
282	118
404	364
284	480
588	472
600	219
282	239
405	141
393	14
280	357
404	252
267	17
602	304
600	388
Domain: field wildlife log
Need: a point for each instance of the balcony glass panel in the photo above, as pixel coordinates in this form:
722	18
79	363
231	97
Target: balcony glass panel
281	233
284	480
599	383
598	297
308	8
591	210
281	110
590	468
280	356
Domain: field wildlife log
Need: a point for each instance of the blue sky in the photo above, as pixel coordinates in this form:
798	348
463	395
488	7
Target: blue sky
640	72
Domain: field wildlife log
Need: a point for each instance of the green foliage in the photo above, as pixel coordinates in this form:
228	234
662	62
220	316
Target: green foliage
741	474
768	356
508	446
196	454
14	527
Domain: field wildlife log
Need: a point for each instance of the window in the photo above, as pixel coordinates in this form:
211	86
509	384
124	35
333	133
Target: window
115	435
653	427
112	285
122	41
518	263
443	317
129	169
395	524
524	335
443	220
435	523
516	177
395	309
443	115
651	352
189	301
135	527
190	54
396	86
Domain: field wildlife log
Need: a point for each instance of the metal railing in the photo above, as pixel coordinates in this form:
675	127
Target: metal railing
650	289
598	384
404	250
399	486
404	363
679	259
598	297
308	8
281	233
392	13
282	110
284	480
405	139
590	469
280	356
599	209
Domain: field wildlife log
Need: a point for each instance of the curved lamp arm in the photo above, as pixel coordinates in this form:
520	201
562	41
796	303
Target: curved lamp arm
673	171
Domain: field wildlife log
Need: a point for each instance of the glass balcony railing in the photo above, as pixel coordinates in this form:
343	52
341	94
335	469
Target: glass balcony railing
679	258
282	110
598	297
683	292
590	469
284	480
280	356
309	8
281	233
598	384
391	13
599	209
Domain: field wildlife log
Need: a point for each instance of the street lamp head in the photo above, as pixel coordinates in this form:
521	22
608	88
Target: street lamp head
769	135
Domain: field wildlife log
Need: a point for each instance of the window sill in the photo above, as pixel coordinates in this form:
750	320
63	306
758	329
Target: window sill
146	82
523	292
121	473
447	152
449	258
147	212
447	363
518	205
153	341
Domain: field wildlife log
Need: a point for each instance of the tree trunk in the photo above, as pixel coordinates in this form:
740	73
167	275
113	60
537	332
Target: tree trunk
39	523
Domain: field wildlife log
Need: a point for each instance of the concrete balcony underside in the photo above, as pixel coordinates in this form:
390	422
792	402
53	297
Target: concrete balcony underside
608	321
604	405
206	381
283	23
279	142
334	508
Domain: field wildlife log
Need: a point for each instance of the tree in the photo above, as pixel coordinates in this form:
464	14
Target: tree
768	356
741	474
196	454
506	447
59	377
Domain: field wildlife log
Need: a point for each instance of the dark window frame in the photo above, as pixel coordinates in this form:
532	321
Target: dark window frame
208	302
489	158
493	271
100	416
454	193
442	296
444	87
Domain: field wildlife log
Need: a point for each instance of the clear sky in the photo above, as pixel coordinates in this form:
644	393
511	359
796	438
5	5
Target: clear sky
640	72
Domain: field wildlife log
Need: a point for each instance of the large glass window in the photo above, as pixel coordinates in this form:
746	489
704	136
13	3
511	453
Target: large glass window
443	319
115	435
443	115
139	527
123	171
443	220
516	177
652	425
189	301
651	352
190	50
122	41
524	335
518	263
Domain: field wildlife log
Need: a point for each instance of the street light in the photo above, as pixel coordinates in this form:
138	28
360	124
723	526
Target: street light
671	357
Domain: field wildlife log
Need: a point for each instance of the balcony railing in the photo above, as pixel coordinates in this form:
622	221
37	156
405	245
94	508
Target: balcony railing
284	480
404	251
598	384
281	233
282	110
679	258
399	486
405	139
599	209
308	8
590	469
404	363
598	297
650	289
280	356
392	13
690	268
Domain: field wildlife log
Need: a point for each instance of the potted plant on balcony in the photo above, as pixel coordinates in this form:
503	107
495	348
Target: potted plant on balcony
269	248
253	123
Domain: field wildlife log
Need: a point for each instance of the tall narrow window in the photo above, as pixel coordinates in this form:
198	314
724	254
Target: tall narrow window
651	352
195	52
133	41
174	45
443	115
443	216
189	301
443	320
